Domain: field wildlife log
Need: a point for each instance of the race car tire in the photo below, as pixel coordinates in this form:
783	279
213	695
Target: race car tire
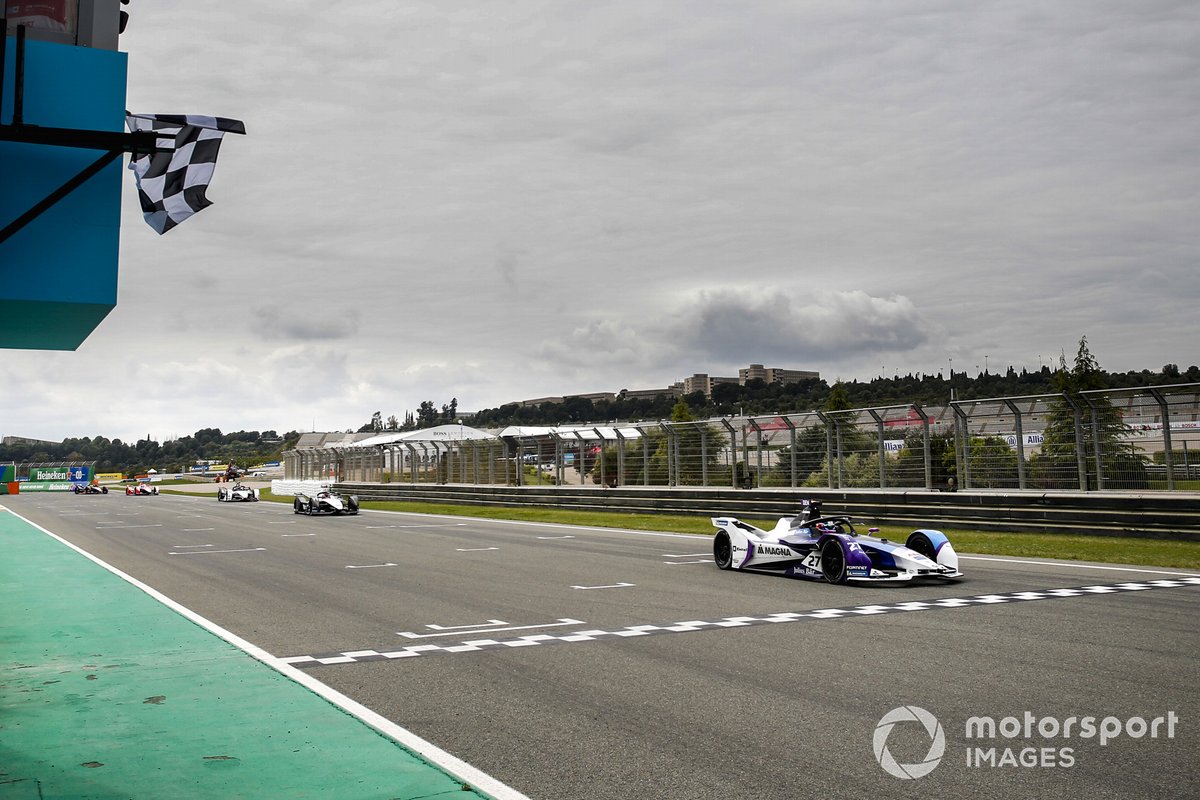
103	490
723	551
312	508
833	560
295	506
921	544
352	504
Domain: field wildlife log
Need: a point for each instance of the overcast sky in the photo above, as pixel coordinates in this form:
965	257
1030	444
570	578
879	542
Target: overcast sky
496	201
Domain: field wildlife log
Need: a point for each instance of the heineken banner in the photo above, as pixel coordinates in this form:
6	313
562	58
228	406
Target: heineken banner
72	474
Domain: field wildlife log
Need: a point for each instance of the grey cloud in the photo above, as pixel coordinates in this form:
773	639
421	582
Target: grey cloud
305	323
799	326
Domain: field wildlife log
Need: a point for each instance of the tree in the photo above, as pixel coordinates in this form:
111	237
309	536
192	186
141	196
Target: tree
1097	426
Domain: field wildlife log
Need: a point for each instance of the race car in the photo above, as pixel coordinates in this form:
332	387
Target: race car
819	547
325	501
237	492
87	488
141	489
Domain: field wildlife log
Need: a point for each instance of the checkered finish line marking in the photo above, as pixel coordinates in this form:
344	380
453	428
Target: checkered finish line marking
691	626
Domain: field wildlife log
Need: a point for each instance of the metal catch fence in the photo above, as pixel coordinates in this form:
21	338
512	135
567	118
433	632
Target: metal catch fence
1123	439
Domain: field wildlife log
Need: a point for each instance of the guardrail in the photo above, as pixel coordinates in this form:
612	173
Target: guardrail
1165	515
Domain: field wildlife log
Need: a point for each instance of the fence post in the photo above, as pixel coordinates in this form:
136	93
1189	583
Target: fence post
732	452
620	456
758	438
962	445
1168	456
1020	442
1096	443
671	476
882	453
829	455
928	452
791	447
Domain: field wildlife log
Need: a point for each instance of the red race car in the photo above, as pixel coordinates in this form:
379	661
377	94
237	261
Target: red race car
141	488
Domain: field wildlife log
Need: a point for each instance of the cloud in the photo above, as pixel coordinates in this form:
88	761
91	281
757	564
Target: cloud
797	326
305	324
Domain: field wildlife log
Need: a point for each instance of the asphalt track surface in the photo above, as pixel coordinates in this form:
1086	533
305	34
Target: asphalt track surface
590	663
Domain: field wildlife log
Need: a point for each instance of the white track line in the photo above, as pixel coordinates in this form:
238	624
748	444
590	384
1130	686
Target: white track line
1070	564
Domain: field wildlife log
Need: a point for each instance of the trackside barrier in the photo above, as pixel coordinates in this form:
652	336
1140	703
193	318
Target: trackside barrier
1172	515
286	487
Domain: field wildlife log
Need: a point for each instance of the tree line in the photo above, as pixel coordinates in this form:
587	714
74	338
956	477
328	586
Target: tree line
756	397
243	448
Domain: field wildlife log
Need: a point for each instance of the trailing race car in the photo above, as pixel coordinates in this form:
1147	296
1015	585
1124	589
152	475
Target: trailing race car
325	501
141	489
87	488
816	547
237	492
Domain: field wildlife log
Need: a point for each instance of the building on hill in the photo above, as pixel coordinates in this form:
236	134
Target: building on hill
774	375
13	440
698	382
701	382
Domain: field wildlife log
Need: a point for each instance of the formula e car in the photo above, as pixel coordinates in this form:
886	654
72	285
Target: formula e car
87	488
819	547
141	489
325	501
238	493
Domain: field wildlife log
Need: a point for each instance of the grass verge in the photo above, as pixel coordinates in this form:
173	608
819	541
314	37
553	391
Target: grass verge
1066	547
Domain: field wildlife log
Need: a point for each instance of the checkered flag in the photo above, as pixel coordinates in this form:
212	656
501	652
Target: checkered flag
171	184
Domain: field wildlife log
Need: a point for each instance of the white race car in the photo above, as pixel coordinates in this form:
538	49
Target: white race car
237	493
141	490
829	548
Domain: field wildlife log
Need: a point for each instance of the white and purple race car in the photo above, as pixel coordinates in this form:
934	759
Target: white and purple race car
829	548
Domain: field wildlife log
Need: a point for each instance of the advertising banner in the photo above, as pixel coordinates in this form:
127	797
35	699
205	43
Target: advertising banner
110	477
73	474
46	486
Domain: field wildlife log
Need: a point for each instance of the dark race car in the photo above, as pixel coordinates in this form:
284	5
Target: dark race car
87	488
325	501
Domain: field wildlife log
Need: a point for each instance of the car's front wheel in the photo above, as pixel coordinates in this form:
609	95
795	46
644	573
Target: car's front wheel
921	544
723	550
833	560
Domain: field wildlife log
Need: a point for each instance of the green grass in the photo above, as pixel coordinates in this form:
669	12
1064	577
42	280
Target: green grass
1058	546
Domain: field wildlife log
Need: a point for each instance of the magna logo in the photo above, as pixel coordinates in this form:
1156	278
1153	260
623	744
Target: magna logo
937	742
770	550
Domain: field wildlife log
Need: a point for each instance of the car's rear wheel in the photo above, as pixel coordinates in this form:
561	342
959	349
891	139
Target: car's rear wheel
920	543
833	560
723	550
